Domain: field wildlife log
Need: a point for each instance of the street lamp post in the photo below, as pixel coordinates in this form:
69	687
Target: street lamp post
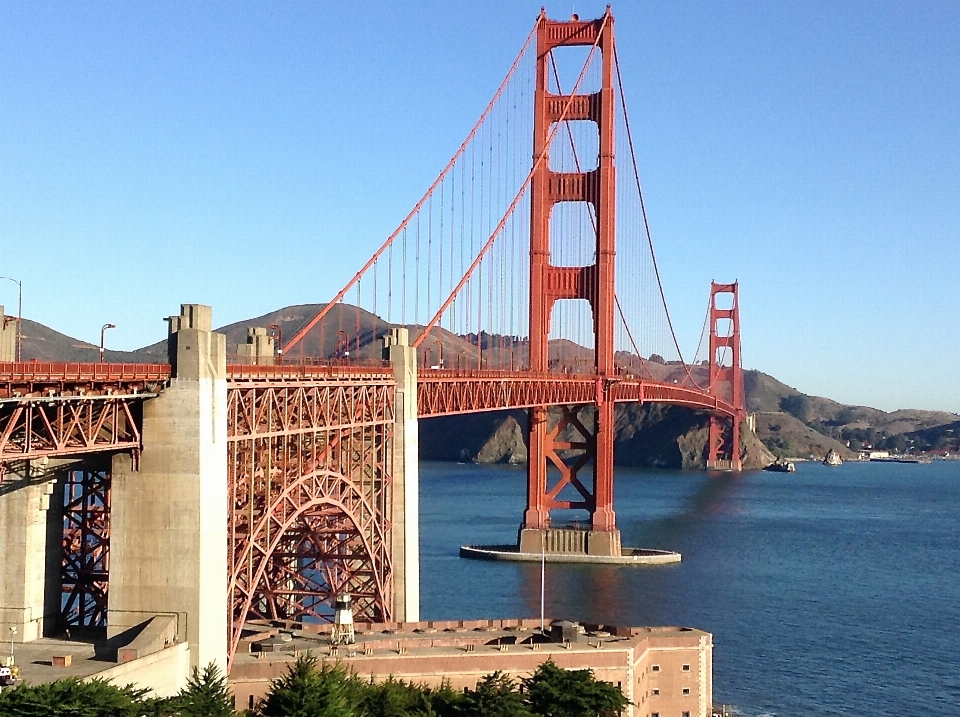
102	331
278	346
342	349
13	632
19	316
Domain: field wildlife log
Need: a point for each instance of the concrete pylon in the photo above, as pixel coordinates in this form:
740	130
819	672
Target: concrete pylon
406	478
31	530
8	337
168	545
259	349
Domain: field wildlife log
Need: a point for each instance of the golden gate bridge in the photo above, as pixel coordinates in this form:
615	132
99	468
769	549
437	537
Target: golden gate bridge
524	278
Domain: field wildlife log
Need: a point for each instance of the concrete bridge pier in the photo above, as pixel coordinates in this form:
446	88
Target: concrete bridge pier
406	478
259	349
168	552
31	529
8	337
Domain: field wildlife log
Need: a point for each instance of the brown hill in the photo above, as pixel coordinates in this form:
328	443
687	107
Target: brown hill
42	343
786	436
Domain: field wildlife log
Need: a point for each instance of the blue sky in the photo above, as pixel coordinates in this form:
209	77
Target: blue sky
252	155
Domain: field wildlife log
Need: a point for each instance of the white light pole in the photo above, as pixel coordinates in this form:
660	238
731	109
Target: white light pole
13	631
543	576
102	330
19	316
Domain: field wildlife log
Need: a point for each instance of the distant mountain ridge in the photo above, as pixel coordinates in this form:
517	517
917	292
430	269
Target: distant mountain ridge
789	422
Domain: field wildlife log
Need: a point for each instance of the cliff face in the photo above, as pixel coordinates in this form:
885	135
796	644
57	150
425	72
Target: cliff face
648	435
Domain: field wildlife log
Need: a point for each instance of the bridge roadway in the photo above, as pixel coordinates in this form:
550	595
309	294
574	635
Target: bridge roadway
67	409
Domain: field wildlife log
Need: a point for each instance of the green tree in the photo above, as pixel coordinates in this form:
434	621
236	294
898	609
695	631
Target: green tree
395	698
845	416
496	695
896	443
206	695
73	698
554	692
445	701
797	406
306	691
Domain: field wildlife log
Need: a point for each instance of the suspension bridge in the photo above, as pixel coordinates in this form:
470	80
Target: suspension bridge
222	488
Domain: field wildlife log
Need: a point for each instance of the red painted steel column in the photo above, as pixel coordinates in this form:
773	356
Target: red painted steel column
540	206
537	516
604	289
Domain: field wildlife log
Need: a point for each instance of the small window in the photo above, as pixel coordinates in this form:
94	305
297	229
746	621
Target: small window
655	691
654	714
686	690
685	713
655	668
686	668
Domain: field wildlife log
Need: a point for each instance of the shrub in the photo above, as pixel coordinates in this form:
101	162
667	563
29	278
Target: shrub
554	692
73	698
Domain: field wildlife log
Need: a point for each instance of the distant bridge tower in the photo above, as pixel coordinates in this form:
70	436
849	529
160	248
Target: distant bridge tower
726	378
595	283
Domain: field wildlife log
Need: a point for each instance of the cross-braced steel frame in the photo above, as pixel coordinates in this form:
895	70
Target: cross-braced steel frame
71	409
311	498
85	565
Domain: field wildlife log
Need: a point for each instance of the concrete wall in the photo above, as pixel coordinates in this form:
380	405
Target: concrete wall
406	479
164	673
168	552
31	528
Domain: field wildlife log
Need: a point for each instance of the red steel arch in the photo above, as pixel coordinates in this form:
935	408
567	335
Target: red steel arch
307	530
310	489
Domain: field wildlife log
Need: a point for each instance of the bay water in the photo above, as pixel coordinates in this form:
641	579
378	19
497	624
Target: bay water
830	591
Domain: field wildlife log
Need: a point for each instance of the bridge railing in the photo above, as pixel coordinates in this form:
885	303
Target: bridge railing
323	370
39	371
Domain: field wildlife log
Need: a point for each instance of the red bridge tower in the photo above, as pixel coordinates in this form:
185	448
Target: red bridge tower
726	378
595	283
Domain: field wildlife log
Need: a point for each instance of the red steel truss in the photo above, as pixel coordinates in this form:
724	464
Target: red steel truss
70	409
443	392
310	466
62	427
85	565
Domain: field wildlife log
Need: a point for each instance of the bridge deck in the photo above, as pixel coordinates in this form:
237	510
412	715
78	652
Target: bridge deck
442	392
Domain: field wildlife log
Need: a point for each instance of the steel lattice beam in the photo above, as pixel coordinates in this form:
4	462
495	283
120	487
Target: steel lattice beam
450	392
31	428
310	494
85	564
69	409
